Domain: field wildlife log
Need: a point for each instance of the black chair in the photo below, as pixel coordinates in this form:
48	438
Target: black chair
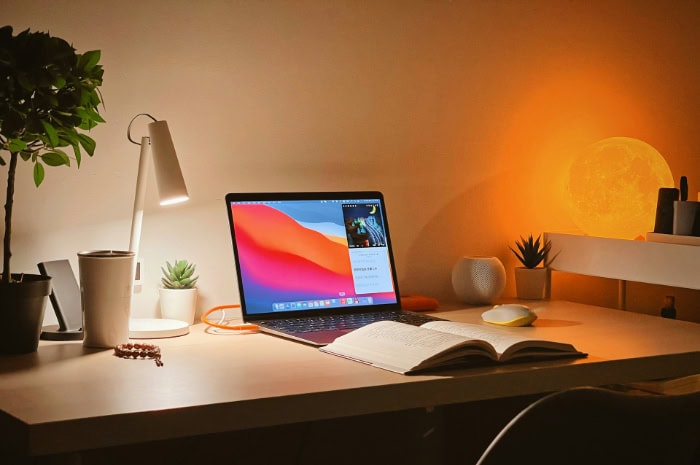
598	427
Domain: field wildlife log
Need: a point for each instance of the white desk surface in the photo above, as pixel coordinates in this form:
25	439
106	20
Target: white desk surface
65	398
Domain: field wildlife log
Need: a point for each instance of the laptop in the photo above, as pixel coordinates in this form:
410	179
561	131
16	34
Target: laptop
313	266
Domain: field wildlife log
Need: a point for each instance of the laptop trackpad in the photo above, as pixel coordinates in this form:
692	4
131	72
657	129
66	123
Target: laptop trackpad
321	337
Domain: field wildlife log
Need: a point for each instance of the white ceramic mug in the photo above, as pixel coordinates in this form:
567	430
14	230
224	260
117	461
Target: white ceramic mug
106	286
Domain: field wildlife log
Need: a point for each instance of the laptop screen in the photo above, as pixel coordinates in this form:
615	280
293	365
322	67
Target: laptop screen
311	253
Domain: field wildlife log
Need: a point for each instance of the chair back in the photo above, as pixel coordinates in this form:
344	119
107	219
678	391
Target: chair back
598	427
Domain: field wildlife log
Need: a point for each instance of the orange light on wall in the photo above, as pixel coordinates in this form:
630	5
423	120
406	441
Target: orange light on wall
612	187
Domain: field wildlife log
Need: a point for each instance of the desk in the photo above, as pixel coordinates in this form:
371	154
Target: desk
65	398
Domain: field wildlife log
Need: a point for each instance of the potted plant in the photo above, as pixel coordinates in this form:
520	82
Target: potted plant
530	279
178	295
47	93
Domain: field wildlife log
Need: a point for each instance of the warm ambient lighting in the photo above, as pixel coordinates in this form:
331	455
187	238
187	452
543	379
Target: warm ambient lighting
613	186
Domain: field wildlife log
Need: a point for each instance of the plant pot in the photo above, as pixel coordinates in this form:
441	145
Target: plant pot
178	304
22	308
530	283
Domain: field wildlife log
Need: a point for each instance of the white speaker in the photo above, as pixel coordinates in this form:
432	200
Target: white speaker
478	280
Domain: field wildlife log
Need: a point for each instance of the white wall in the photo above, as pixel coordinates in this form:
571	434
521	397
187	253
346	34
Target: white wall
465	113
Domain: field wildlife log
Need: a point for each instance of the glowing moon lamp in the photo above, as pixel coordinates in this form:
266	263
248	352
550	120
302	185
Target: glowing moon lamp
613	187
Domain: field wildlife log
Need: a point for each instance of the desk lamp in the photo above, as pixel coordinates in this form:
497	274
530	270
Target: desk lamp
171	190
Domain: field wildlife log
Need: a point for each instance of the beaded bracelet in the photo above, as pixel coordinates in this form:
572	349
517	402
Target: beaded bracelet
139	350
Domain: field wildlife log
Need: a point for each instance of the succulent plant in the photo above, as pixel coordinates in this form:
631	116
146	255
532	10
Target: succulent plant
531	252
179	275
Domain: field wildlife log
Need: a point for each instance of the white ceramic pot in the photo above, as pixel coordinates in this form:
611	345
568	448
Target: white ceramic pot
178	304
478	280
530	282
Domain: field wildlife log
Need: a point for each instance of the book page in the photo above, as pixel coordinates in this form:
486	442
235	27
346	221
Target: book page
508	345
397	346
500	340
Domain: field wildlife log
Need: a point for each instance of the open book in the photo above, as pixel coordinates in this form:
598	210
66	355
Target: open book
404	348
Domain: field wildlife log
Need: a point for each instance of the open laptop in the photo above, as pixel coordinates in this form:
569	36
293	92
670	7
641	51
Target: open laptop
312	266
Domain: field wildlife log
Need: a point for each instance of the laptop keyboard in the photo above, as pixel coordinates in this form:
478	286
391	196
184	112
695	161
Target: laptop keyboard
345	321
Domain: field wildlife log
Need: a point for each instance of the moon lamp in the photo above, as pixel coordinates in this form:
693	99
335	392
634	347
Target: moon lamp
612	187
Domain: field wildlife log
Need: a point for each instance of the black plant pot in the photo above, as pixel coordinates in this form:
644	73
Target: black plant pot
22	308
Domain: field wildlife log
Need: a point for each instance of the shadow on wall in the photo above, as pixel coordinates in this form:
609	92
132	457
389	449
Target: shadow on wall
466	225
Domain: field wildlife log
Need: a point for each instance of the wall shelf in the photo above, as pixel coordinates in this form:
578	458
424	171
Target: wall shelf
667	264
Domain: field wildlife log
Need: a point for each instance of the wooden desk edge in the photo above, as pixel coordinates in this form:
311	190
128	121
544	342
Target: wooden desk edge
89	433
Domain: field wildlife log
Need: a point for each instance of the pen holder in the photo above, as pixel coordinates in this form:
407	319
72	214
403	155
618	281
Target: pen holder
686	218
664	210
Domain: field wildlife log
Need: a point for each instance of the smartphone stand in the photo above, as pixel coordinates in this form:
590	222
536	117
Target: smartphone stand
65	299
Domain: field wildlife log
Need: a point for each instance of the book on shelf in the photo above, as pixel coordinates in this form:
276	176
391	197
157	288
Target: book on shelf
405	349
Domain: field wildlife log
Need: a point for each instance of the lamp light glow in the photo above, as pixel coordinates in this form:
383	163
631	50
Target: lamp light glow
174	200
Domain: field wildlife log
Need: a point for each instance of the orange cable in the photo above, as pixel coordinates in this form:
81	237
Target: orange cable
240	327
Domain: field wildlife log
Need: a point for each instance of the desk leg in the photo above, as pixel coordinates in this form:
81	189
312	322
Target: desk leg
622	294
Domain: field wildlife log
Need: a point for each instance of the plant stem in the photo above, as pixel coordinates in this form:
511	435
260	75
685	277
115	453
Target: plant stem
7	253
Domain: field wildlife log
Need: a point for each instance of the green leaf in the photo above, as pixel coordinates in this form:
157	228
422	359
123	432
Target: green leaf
56	158
50	132
88	143
178	275
88	60
81	112
78	155
64	141
17	145
38	174
84	97
95	99
87	124
95	116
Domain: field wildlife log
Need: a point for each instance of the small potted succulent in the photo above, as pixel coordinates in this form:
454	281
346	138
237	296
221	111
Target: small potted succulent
178	294
49	95
530	279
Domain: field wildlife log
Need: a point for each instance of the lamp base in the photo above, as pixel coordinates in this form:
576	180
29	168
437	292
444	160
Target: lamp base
53	333
156	328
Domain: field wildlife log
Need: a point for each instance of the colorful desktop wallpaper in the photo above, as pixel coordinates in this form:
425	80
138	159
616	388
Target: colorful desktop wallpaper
289	254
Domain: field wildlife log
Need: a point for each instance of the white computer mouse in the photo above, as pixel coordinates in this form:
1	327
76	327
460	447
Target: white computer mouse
509	315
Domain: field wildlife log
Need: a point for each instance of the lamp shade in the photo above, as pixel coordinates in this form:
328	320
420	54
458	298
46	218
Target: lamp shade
171	184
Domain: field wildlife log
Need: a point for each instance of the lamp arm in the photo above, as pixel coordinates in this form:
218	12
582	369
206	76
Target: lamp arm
141	179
